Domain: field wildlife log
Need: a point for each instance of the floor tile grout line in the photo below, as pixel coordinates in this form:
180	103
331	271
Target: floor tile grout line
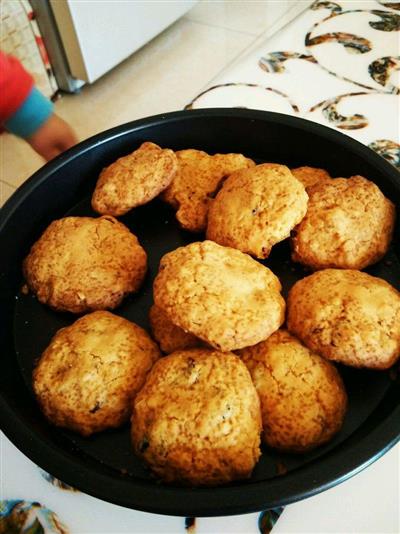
277	22
4	197
243	51
8	183
257	37
256	34
220	27
226	66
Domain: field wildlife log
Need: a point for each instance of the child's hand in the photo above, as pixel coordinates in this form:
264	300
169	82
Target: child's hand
52	138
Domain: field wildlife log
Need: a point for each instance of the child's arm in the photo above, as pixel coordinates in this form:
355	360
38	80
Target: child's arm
25	112
53	137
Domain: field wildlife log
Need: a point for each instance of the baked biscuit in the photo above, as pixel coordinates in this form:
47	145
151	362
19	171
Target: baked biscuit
82	264
256	208
89	374
302	396
310	176
219	294
169	336
196	183
348	225
347	316
197	419
134	180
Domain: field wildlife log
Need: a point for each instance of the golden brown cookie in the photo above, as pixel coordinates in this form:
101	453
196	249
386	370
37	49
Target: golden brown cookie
82	264
197	419
89	374
256	208
219	294
347	316
310	176
303	399
348	225
196	183
134	180
169	336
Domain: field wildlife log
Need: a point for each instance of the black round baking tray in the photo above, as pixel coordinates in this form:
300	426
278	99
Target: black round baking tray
104	465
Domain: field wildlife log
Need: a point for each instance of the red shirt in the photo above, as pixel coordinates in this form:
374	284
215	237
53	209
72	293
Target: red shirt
15	85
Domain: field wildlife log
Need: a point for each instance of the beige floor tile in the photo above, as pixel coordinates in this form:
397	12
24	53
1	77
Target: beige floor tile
18	161
5	192
252	16
163	76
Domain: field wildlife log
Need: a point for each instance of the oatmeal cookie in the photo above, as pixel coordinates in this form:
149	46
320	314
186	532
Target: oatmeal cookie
348	225
347	316
256	208
87	377
310	176
197	419
197	182
302	396
82	264
134	180
169	336
219	294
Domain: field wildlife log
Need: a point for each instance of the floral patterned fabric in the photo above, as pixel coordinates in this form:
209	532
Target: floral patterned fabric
25	517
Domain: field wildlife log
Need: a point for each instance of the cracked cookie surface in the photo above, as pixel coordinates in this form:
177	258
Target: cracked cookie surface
302	396
134	179
347	316
87	377
197	419
310	176
196	183
219	294
348	225
169	336
257	208
83	264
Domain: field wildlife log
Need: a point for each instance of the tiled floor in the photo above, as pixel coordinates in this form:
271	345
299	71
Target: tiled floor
163	76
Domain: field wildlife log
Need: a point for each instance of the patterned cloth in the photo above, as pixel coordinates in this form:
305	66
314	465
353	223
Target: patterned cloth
336	64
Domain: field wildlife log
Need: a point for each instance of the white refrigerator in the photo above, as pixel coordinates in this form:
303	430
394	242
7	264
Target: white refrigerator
86	38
